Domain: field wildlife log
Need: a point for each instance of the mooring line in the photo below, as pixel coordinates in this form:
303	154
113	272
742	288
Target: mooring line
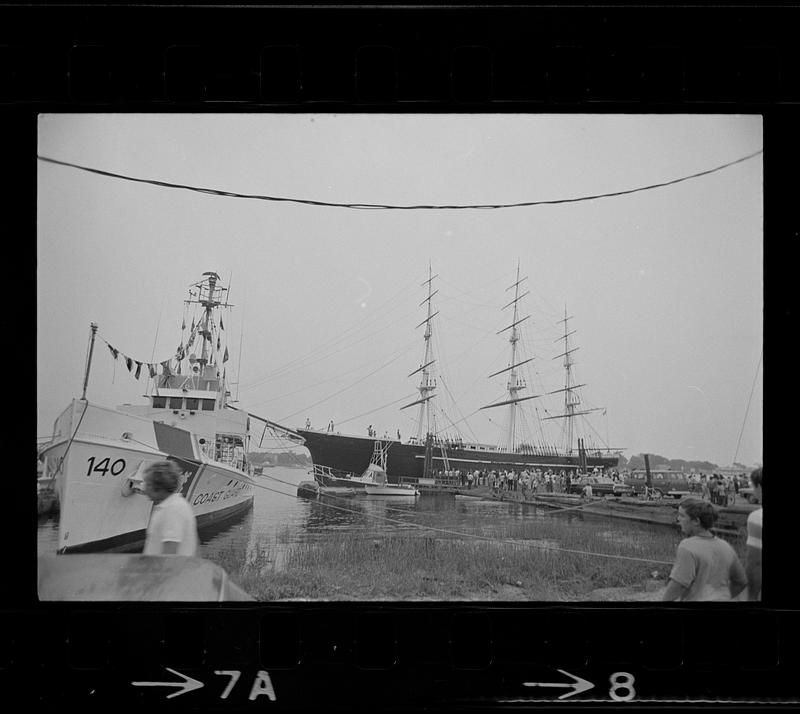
490	539
525	503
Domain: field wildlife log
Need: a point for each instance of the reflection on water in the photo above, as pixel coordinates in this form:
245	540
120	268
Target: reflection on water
280	519
47	534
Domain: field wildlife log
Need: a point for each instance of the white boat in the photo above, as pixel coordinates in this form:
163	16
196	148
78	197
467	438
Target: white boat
377	483
97	454
372	482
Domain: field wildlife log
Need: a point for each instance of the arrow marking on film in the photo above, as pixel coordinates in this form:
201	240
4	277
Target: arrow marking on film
187	685
578	685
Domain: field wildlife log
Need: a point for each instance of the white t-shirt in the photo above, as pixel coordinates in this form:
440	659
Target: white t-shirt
754	522
173	521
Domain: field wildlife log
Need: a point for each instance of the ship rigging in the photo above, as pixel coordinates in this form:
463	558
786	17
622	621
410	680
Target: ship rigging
515	450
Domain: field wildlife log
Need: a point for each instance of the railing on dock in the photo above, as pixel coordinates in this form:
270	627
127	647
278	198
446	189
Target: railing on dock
323	474
438	484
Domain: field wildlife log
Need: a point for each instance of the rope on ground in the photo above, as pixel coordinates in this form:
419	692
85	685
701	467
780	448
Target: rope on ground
473	535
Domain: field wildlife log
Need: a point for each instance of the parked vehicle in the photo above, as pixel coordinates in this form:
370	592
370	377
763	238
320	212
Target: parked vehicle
673	484
601	486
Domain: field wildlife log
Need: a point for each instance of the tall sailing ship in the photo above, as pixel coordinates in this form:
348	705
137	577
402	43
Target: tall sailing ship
337	456
97	454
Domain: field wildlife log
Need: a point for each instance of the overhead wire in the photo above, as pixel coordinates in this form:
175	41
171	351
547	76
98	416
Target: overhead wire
386	206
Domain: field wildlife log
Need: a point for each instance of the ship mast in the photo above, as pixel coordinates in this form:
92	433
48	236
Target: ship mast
516	382
208	305
571	399
209	297
427	383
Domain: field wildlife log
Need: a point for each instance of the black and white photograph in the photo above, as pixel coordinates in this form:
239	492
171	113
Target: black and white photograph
399	357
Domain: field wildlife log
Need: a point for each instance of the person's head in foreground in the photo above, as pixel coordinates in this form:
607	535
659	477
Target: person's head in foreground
696	516
161	480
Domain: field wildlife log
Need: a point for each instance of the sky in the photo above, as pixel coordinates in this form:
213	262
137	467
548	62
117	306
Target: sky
664	288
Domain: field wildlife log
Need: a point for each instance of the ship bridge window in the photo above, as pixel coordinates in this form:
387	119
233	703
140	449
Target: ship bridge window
159	402
208	405
192	402
176	402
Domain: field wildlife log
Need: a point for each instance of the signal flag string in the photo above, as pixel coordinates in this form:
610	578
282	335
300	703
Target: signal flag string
382	206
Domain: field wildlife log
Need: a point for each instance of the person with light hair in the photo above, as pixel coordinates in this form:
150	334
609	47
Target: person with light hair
706	567
172	529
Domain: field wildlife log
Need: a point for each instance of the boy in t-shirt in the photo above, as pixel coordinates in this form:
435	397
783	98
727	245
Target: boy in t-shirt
706	567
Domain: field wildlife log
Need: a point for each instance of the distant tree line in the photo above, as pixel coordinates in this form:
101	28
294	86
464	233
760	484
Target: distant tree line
283	458
658	462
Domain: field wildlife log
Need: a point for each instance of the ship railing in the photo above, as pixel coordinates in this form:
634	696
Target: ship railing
599	453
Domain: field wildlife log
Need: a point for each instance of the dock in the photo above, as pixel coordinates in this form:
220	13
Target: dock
731	522
433	486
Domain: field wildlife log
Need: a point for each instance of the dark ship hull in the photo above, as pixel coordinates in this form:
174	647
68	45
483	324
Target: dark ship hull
352	454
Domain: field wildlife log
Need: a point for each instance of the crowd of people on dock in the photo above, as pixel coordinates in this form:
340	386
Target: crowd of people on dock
718	489
505	481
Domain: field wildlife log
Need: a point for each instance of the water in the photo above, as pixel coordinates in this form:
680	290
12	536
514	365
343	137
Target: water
280	519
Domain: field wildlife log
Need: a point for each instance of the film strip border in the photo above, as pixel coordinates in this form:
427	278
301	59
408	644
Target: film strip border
395	655
360	58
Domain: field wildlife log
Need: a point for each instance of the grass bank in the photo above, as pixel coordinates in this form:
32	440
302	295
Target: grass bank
535	559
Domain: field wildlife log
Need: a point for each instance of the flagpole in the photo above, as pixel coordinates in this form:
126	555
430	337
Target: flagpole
93	326
155	340
239	366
